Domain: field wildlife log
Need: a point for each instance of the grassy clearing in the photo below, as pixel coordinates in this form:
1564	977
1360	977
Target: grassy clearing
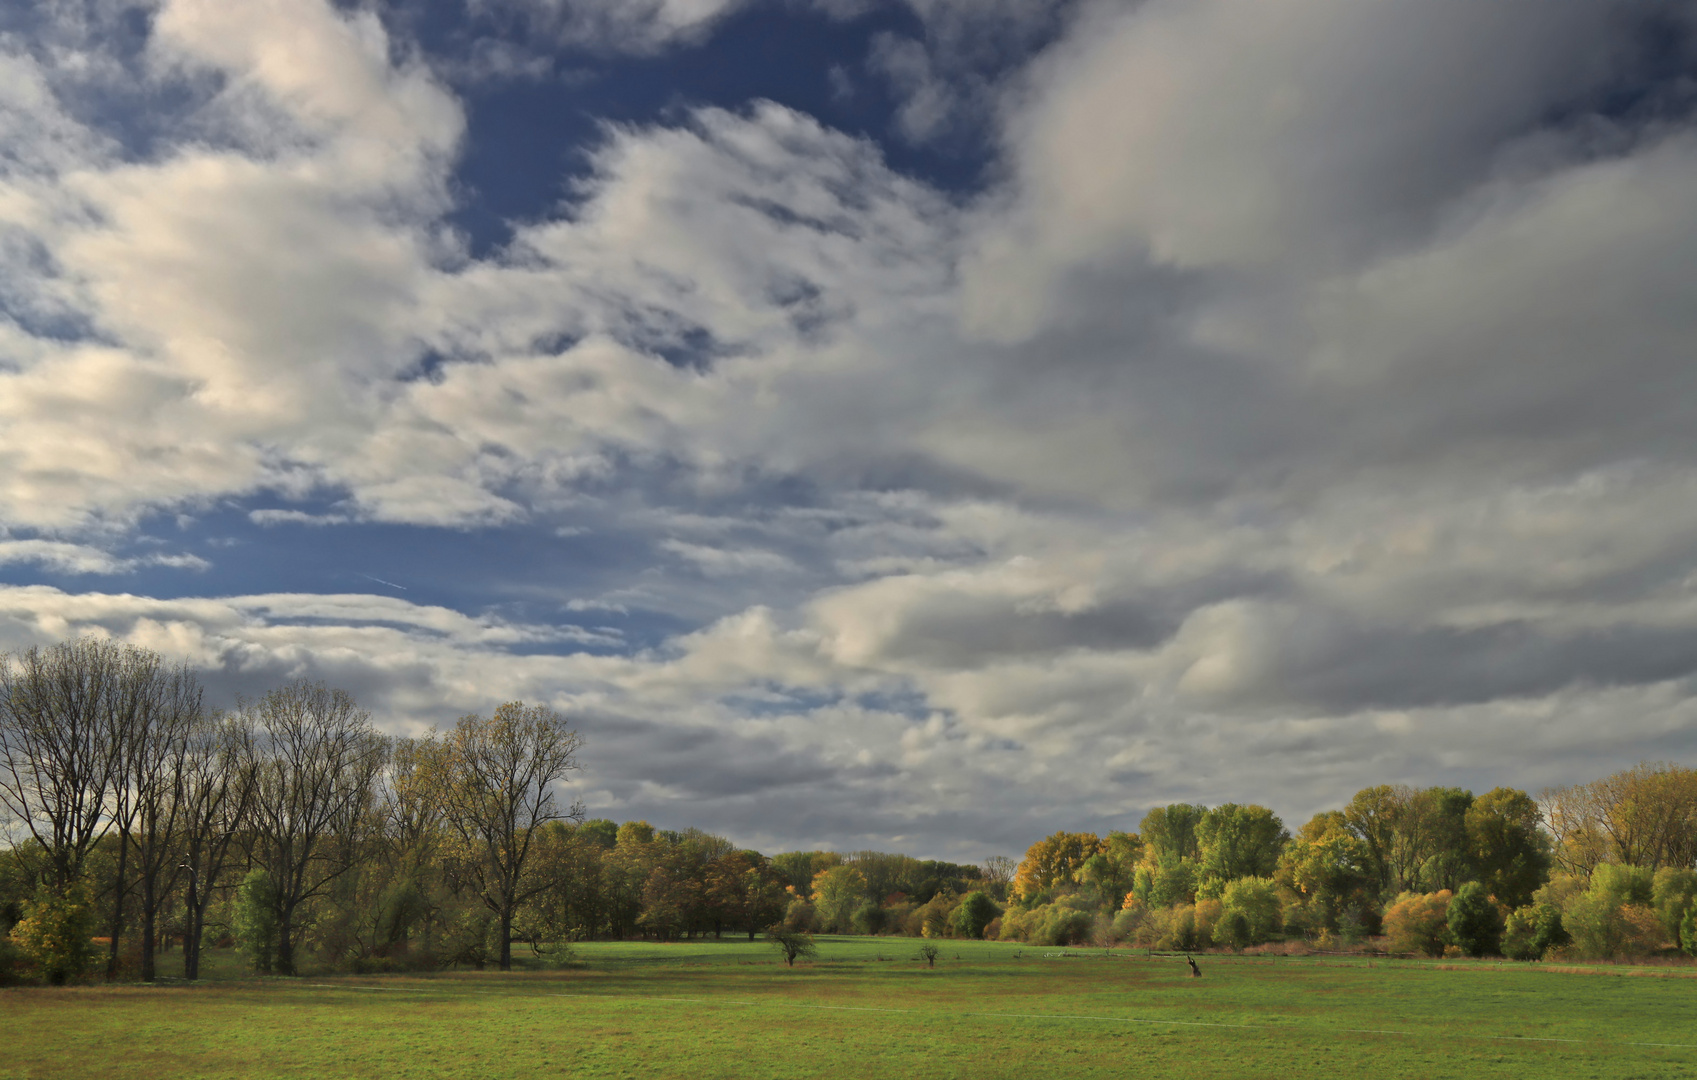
867	1007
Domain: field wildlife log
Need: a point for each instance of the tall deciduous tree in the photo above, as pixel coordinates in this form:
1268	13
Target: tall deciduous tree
156	770
1054	860
1506	851
498	790
1235	841
217	785
58	762
1642	816
316	765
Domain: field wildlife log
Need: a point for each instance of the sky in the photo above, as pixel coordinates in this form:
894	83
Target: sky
918	425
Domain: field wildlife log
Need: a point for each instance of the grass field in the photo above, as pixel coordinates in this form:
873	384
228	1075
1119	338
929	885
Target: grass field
867	1007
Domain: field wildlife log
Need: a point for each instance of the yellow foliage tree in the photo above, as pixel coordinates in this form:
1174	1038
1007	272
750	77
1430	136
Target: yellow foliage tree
1055	860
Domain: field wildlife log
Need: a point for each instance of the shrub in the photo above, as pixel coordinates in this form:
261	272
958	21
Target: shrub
1532	931
1127	921
1603	930
1258	902
973	915
928	953
870	918
1475	923
1019	924
1672	893
1208	915
1688	930
56	934
937	920
256	920
1173	928
469	938
1233	932
1418	923
800	916
1620	884
1065	923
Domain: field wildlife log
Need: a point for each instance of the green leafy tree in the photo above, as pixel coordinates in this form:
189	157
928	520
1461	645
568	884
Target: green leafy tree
793	944
1257	900
1236	841
1688	930
837	892
1672	892
1330	868
975	912
1506	849
256	920
1475	922
497	781
1533	930
1170	831
56	933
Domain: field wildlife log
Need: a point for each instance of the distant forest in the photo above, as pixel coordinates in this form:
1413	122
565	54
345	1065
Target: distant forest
141	823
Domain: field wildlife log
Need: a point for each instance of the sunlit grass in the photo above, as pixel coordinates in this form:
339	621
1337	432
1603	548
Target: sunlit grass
869	1007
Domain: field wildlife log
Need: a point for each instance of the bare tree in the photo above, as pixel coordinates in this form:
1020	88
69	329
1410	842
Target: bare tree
216	783
317	760
1644	816
497	792
58	763
158	770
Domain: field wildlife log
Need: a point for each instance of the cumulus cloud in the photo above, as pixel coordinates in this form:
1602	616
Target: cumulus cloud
1305	405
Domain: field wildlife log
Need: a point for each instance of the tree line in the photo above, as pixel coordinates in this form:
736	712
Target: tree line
1598	870
141	821
135	811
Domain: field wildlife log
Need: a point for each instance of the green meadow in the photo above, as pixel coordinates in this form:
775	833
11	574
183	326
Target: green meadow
870	1007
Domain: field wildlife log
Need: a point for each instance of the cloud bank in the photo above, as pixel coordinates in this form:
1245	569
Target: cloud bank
1305	404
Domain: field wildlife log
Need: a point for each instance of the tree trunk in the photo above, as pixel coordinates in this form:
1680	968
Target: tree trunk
285	941
118	906
506	937
191	932
147	926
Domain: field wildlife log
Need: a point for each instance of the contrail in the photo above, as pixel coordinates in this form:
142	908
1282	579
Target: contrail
380	581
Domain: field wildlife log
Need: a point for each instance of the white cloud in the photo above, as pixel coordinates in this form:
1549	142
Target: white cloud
1309	400
626	26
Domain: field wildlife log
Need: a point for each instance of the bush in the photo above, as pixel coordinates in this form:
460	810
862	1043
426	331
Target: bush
1233	932
1603	930
1419	923
56	934
256	920
1208	915
870	918
973	915
1018	924
1619	884
1672	893
1258	902
1532	931
1128	920
937	916
1475	923
1065	924
1688	930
